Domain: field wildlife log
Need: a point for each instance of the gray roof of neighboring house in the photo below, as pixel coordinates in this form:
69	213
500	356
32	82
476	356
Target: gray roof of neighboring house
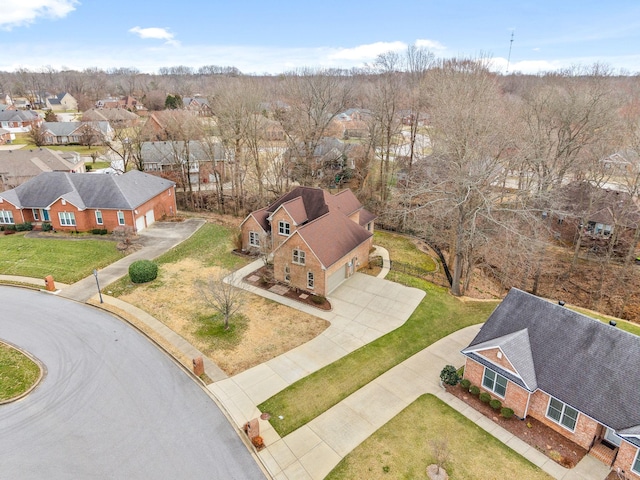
582	362
168	152
61	129
17	166
87	190
18	116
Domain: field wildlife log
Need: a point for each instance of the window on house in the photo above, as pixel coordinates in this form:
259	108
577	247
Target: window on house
98	217
284	228
254	239
287	273
67	218
562	413
6	216
495	382
36	214
636	463
310	280
298	257
120	218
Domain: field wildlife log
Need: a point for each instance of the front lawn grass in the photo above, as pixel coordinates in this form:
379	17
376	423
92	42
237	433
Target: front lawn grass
67	260
18	372
403	448
404	250
438	315
211	328
211	244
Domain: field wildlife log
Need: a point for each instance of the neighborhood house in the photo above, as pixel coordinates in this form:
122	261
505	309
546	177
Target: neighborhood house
577	375
85	201
317	239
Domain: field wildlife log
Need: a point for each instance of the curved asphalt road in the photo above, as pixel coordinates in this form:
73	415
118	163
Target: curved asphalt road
111	406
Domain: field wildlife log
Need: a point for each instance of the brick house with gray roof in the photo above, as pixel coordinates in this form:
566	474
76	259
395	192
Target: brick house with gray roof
317	239
84	201
575	374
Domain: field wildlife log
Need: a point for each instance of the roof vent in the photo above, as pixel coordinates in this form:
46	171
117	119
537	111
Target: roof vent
613	323
561	303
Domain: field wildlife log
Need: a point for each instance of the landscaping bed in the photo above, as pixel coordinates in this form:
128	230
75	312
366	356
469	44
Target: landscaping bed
530	430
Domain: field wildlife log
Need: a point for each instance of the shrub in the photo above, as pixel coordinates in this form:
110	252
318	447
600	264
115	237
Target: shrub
465	383
473	390
485	397
47	227
24	227
506	412
495	404
142	271
318	299
99	231
449	375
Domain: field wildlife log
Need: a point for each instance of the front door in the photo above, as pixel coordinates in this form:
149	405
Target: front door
45	215
612	438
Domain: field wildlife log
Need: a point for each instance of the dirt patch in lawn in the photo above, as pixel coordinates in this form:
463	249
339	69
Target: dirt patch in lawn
535	433
271	329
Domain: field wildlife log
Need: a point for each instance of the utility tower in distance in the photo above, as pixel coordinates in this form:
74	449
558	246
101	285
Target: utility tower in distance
509	57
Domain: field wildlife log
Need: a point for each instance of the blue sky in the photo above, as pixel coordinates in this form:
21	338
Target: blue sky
258	36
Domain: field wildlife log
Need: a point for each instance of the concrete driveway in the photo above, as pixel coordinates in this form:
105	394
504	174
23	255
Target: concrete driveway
111	404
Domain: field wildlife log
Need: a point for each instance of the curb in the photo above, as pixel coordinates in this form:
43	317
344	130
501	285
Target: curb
41	366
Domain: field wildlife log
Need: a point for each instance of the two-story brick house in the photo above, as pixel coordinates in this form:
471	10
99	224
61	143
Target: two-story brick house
85	201
577	375
317	239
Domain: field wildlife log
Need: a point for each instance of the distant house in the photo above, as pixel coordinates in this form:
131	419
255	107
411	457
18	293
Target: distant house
317	239
20	166
5	136
84	201
329	157
197	104
118	118
19	121
575	374
62	101
84	133
128	103
351	123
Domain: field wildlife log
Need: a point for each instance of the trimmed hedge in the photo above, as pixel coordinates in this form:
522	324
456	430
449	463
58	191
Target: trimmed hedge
474	390
47	227
485	397
142	271
24	227
99	231
465	383
495	404
506	412
449	375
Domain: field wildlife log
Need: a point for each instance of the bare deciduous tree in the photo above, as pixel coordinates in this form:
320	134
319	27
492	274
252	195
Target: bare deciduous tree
221	294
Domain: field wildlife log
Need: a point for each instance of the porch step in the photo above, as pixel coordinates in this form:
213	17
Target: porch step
603	453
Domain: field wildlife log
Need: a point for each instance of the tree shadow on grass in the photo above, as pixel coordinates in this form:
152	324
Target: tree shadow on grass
210	328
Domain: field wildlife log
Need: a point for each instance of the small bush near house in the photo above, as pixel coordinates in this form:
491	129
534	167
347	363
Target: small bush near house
449	375
47	227
465	383
485	397
24	227
473	390
99	231
318	299
495	404
143	271
506	412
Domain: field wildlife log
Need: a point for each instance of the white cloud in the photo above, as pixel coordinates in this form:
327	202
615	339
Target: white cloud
363	53
155	32
16	13
433	45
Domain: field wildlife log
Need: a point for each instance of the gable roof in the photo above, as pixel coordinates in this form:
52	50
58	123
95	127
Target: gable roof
61	129
18	116
17	166
583	362
88	190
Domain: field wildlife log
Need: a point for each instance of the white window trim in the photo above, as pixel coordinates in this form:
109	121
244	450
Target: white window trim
562	413
99	221
311	280
121	219
636	458
282	226
254	239
7	215
301	255
67	219
36	214
495	382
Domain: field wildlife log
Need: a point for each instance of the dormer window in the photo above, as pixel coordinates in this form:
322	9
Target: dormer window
284	228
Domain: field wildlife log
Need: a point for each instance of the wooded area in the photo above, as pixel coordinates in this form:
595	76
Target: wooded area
520	180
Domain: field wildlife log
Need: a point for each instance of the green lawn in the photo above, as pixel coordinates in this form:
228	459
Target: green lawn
438	315
67	260
403	250
212	244
17	372
621	324
403	448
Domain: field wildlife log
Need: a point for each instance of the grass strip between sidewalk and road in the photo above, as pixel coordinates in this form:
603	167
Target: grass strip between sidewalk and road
438	315
402	448
18	372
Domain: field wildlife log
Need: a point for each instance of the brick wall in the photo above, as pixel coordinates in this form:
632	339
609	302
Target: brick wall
586	428
624	460
276	238
298	273
250	225
515	397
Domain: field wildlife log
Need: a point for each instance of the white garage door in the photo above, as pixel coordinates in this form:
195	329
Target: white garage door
139	224
336	279
150	217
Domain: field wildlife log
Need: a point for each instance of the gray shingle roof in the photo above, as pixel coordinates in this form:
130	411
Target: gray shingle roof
88	190
583	362
60	129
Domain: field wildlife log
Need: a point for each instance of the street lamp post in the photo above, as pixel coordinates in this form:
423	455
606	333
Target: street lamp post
95	274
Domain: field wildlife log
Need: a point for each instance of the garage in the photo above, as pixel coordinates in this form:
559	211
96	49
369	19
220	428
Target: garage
335	279
139	224
149	217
